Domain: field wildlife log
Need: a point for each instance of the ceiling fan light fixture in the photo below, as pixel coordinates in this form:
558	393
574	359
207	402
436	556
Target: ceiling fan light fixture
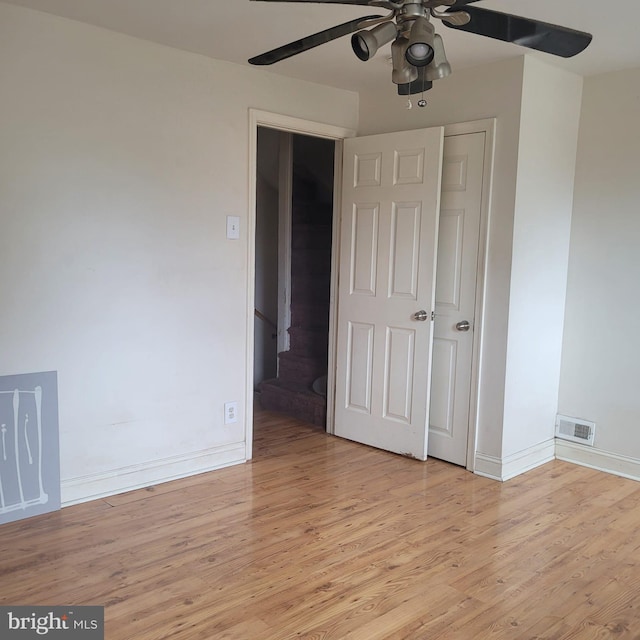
403	72
366	43
440	67
420	51
418	57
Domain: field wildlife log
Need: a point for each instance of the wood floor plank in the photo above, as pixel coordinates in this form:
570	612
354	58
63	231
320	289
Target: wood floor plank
325	539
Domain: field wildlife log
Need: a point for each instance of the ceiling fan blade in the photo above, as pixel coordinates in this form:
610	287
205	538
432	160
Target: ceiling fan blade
364	3
315	40
542	36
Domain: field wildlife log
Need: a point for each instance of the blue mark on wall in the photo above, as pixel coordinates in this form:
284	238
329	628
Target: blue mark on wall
29	449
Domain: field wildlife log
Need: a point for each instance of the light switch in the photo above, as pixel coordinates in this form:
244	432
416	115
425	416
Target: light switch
233	227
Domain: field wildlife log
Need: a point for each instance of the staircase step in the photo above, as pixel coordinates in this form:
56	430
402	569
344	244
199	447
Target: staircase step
307	236
309	342
308	288
310	314
312	261
294	401
299	369
307	211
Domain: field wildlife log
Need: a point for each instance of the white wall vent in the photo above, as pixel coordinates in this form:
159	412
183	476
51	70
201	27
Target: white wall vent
575	430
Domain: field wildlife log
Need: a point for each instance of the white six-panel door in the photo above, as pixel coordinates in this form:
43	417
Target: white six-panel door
462	183
388	243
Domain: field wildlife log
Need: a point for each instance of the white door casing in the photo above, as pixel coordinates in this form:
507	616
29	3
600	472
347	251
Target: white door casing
259	118
388	248
462	186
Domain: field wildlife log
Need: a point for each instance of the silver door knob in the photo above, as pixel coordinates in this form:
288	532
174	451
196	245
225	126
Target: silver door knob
463	326
420	315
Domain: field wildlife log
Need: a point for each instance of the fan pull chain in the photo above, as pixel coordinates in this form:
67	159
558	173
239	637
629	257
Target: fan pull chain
422	102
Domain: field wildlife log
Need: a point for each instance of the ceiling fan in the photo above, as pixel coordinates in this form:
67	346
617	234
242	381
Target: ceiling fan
417	51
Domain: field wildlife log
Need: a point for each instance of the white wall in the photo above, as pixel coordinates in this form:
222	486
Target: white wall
551	100
493	90
601	350
119	163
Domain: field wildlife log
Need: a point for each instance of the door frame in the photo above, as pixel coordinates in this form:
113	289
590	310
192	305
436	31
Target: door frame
258	118
488	127
338	134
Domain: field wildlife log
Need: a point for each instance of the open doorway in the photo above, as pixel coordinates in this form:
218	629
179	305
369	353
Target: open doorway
293	238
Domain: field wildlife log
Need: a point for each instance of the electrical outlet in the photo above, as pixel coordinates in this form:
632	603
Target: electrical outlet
230	412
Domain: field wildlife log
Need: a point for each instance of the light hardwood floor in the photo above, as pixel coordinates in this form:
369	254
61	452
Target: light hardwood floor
325	539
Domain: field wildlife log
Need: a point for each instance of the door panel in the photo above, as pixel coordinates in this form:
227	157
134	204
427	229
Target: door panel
398	378
389	234
450	252
359	366
405	250
364	249
443	385
455	296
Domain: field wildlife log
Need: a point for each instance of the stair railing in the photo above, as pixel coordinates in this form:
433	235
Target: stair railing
267	321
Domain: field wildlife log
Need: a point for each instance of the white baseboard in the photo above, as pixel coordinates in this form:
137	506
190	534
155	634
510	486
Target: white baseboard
503	469
100	485
488	466
506	468
598	459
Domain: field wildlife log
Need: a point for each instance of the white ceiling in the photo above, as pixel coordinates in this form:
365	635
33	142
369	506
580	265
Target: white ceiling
235	30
